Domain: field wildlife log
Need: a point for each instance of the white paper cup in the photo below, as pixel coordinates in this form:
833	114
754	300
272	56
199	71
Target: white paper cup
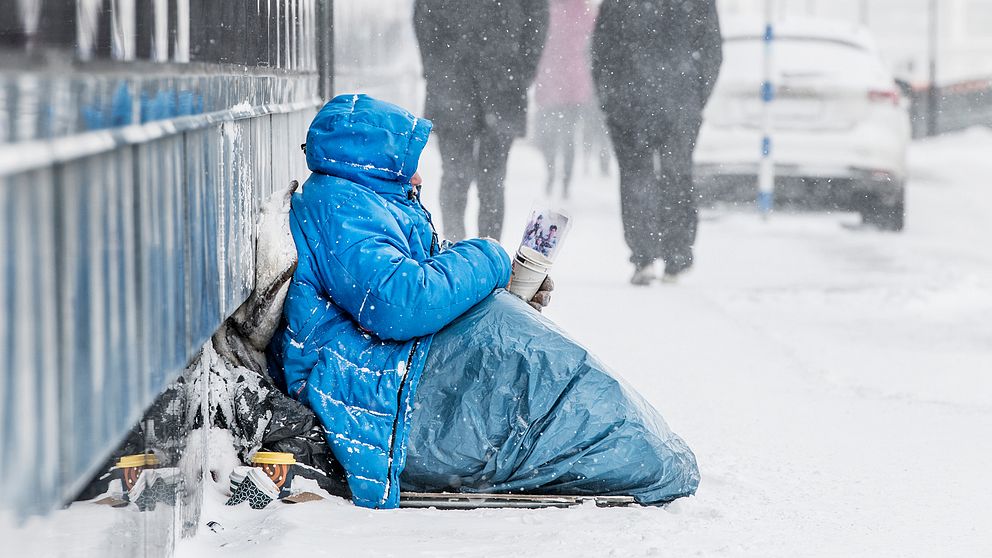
530	268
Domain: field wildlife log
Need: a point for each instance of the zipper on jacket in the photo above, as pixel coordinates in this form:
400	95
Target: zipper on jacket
396	419
435	242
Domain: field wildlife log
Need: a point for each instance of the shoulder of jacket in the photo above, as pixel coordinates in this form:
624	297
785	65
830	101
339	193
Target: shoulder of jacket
327	188
347	199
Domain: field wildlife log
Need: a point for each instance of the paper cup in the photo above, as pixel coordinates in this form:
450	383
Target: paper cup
129	468
278	466
237	476
530	268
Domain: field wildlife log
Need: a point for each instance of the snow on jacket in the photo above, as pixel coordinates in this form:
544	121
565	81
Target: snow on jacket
563	77
371	288
655	57
479	58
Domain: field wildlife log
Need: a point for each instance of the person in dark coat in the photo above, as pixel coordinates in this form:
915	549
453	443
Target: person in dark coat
654	63
479	58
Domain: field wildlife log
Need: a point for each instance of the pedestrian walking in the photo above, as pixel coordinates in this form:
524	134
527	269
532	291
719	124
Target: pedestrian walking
654	63
479	59
563	88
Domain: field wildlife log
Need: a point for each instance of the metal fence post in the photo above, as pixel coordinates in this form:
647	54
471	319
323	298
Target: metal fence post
932	111
766	168
325	48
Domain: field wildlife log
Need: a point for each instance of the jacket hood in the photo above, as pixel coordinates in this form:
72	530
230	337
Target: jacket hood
368	141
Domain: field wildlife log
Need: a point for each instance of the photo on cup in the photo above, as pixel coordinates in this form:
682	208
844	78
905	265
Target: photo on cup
543	237
544	232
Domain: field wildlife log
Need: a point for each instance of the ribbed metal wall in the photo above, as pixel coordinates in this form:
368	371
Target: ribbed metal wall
117	267
131	171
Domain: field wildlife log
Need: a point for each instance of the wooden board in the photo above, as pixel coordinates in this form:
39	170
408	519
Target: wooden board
456	500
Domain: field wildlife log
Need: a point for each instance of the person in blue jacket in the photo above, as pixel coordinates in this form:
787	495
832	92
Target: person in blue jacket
371	289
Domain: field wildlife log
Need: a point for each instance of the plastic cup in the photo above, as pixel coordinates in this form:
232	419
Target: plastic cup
530	268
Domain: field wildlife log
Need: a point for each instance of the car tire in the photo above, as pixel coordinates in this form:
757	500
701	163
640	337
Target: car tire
887	215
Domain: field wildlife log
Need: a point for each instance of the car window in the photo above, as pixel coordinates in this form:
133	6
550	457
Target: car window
802	58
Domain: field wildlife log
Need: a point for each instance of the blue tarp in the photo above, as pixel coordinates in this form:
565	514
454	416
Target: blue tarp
508	402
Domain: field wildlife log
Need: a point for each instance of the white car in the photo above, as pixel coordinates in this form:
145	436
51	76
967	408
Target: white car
839	123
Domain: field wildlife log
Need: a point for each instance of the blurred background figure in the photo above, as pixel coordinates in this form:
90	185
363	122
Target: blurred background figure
563	88
479	59
596	148
654	63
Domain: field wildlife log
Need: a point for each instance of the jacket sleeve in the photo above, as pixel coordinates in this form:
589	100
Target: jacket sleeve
537	17
370	273
605	52
708	47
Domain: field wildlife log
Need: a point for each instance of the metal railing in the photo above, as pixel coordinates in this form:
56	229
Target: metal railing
136	142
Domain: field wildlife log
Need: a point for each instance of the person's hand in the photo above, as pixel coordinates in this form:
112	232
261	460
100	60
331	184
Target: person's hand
543	296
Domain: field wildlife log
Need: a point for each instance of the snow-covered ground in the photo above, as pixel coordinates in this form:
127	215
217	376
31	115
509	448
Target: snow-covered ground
834	382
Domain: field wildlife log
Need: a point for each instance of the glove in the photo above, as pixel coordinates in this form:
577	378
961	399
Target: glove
543	296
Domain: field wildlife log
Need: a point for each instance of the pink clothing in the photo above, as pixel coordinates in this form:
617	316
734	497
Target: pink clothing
563	77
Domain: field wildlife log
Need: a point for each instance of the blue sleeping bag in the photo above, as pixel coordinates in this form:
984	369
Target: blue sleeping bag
508	402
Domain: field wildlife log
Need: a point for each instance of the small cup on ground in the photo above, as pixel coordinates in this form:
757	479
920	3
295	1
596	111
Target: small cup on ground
129	468
279	466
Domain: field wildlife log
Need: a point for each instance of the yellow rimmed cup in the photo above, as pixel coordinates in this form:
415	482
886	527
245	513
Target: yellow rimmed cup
278	466
129	467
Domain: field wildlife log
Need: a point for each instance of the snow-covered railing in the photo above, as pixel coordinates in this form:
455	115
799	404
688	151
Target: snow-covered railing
128	192
123	252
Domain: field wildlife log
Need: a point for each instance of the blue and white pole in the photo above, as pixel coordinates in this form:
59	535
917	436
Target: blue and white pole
766	168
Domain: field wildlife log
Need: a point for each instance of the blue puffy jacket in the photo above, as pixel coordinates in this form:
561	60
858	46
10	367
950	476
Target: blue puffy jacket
371	288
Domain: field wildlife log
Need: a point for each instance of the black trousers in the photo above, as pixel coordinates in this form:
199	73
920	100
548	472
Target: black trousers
556	137
658	205
467	156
